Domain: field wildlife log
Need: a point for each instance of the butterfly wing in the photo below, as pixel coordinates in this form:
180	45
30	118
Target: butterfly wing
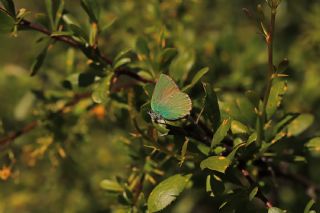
168	101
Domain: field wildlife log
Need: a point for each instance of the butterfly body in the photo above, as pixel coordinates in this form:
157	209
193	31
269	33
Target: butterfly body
168	102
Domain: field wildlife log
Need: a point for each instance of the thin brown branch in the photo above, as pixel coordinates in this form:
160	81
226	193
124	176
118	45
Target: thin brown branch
92	52
34	124
24	130
260	195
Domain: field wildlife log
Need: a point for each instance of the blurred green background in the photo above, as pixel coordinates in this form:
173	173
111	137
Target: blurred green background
223	39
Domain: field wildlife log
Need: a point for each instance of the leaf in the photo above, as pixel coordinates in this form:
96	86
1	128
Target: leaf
166	192
253	193
24	106
49	8
216	163
39	60
121	62
278	89
221	133
283	65
211	109
300	124
167	56
313	146
309	206
59	14
142	46
93	34
102	91
61	33
275	210
238	128
234	151
181	65
121	54
7	22
196	79
9	6
184	151
92	9
111	185
85	79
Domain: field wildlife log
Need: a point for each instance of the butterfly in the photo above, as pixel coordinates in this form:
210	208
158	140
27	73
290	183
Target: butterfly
168	102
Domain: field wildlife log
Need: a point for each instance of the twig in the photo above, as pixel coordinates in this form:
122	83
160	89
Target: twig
34	124
94	52
269	41
260	195
12	136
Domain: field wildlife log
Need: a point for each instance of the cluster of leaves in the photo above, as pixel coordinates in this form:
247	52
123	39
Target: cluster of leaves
227	152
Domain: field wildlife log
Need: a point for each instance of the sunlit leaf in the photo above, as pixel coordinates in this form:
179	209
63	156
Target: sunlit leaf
313	146
278	89
275	210
111	186
300	124
166	192
221	133
216	163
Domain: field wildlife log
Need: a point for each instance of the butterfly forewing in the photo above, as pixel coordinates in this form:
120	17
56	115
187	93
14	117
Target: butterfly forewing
168	101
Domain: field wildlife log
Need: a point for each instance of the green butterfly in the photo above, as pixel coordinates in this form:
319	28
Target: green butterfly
168	102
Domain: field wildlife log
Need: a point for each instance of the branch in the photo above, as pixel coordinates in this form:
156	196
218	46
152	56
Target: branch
260	195
94	51
34	124
24	130
269	41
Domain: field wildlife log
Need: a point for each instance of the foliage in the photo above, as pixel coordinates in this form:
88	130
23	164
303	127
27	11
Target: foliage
79	131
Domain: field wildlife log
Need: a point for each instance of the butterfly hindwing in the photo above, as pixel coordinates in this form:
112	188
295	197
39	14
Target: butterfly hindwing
168	101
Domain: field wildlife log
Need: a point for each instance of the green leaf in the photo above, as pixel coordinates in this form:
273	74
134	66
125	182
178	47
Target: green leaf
121	62
196	79
39	60
49	8
211	110
221	133
238	128
166	192
253	193
111	185
252	138
181	65
167	56
283	65
142	46
9	6
309	205
278	89
92	9
93	34
300	124
85	79
61	33
7	23
59	14
234	151
216	163
275	210
102	91
121	54
313	146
